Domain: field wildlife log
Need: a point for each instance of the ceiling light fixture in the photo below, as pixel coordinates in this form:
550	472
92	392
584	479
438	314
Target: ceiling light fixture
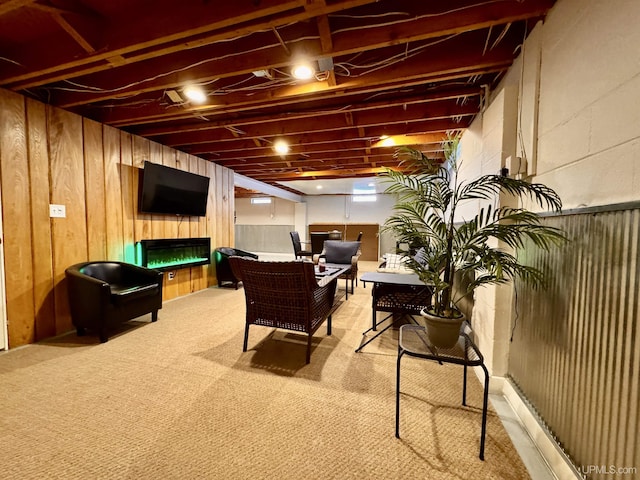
303	71
174	96
195	94
281	147
263	74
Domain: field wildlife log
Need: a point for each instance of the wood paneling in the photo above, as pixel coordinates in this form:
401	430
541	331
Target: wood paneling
16	215
142	222
69	234
211	215
113	193
48	155
126	182
95	196
369	242
45	325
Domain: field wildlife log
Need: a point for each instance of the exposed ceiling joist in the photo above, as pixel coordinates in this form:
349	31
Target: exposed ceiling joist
398	68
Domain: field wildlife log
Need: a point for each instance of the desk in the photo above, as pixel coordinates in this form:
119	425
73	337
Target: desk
394	293
414	341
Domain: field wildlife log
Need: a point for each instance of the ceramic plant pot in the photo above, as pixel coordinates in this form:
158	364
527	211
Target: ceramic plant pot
442	332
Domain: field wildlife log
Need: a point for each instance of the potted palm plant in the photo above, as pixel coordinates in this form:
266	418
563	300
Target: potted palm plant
454	252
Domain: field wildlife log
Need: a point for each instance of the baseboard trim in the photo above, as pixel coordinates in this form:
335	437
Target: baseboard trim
548	448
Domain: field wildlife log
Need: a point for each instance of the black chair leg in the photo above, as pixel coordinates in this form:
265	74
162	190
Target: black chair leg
246	337
309	349
154	316
400	352
103	335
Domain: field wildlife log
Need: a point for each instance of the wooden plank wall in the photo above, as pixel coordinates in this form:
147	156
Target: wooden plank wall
48	155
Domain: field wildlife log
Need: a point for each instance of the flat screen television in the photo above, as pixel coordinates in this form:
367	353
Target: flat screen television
171	191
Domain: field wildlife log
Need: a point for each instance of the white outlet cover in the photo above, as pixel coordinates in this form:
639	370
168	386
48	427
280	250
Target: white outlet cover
57	211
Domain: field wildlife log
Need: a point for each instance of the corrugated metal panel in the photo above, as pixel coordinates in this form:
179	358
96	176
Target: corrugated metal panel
575	354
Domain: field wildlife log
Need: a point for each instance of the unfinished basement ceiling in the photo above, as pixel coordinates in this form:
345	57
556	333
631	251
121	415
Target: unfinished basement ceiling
409	70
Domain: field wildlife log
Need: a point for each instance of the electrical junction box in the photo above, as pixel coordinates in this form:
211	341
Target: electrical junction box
516	165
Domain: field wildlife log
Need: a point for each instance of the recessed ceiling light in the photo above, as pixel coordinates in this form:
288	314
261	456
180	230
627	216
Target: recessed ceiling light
281	147
302	71
195	94
319	187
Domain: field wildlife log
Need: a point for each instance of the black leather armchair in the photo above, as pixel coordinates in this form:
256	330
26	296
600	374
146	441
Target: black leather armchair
104	294
224	274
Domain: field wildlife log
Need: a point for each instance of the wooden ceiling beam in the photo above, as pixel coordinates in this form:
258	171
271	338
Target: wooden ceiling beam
220	64
322	108
390	116
11	5
324	173
73	32
357	141
308	137
320	105
431	127
180	33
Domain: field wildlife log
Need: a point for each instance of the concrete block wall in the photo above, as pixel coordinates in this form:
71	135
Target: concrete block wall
589	120
569	106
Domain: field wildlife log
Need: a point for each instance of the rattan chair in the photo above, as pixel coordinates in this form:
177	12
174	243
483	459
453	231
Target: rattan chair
284	295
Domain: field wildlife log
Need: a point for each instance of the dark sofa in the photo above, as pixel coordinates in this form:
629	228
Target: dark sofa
103	294
224	273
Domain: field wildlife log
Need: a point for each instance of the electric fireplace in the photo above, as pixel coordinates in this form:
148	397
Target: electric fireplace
173	253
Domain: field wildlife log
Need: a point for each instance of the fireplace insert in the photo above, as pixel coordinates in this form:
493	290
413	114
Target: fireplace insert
173	253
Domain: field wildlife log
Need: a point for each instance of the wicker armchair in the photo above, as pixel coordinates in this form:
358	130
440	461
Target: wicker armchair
284	295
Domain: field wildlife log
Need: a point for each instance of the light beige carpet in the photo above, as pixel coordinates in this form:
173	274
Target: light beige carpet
178	399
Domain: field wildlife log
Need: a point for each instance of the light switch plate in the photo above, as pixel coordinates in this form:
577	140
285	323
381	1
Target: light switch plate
57	211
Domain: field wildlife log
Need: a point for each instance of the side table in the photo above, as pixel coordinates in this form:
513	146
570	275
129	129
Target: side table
414	341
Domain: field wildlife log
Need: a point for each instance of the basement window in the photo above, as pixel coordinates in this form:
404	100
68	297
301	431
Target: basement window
364	198
260	200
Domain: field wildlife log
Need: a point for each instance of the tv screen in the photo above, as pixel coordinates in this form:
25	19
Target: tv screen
171	191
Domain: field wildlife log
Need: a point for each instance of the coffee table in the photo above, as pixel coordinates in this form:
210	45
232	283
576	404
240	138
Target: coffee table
330	273
340	269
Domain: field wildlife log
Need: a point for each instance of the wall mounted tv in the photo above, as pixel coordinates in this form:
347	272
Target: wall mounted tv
171	191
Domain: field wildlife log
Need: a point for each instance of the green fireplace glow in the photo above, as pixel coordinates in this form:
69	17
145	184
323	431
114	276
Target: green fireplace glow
173	253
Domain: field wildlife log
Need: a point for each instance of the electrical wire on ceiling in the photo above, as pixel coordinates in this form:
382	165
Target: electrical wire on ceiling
92	89
236	130
401	57
11	61
413	18
137	103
